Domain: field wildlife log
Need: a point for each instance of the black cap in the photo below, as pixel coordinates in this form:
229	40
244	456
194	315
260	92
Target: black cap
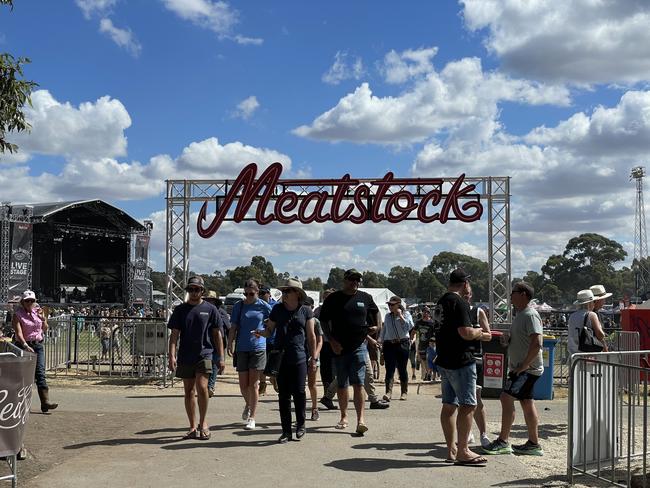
195	281
264	290
351	274
458	276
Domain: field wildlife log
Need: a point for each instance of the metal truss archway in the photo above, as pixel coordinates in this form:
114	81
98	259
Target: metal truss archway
494	192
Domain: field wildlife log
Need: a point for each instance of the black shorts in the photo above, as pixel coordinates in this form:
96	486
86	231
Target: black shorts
520	386
187	371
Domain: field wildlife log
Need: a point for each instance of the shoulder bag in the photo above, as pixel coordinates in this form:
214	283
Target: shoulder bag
276	352
588	342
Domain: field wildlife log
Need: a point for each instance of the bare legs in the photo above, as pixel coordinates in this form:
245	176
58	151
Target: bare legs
248	385
200	382
452	419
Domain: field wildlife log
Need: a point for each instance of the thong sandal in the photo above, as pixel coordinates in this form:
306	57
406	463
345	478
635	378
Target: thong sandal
204	434
192	434
362	428
342	424
475	461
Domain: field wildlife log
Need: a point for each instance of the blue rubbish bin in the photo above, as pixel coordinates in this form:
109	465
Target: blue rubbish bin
543	389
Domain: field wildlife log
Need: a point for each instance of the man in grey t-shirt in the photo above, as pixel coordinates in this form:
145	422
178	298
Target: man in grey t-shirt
525	366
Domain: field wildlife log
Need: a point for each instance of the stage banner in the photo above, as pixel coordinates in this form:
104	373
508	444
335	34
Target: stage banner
21	257
141	262
16	378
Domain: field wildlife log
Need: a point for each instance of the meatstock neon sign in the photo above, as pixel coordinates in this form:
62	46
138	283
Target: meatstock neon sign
351	200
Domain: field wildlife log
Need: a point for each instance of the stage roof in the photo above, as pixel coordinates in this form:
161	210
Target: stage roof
95	213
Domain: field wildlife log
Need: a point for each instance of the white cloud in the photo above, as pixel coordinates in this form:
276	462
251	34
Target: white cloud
247	107
400	67
579	41
93	130
217	16
461	95
124	38
95	7
344	68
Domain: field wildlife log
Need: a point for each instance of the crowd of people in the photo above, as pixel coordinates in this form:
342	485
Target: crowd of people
289	341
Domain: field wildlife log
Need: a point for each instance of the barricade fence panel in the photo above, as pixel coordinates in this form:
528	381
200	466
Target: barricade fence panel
608	416
113	346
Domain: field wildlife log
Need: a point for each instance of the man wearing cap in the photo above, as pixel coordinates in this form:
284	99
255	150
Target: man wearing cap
198	325
457	367
347	314
525	366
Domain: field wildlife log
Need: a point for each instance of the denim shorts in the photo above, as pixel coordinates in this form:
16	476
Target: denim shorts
351	367
459	385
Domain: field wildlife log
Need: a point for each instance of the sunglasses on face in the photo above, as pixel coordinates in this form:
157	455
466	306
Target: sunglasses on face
194	289
249	294
29	300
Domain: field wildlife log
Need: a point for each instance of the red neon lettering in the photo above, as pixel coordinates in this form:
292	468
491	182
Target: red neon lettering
364	204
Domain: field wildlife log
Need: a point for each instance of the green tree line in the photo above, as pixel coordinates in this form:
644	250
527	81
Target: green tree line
587	259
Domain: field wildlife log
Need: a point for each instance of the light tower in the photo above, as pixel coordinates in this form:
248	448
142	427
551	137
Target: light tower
639	265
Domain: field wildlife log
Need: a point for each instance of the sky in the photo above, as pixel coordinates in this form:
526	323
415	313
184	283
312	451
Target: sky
553	94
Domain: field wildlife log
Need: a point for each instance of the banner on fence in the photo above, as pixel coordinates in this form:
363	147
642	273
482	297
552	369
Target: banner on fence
16	378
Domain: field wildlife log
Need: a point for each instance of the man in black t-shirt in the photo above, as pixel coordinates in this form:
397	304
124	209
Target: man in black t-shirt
198	326
348	316
455	361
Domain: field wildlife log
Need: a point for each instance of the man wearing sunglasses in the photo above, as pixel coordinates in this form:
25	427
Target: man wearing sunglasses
199	327
345	316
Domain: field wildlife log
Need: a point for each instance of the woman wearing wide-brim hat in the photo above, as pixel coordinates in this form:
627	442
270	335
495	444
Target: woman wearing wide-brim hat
583	317
294	322
30	326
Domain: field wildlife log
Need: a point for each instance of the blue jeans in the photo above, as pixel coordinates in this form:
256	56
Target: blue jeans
459	385
215	369
39	375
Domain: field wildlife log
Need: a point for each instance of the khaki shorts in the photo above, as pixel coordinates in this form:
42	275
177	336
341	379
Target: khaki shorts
187	371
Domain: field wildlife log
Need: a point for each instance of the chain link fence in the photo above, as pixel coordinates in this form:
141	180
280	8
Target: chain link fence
107	346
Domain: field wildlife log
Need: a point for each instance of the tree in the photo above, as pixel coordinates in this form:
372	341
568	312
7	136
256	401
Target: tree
370	279
315	284
264	269
444	263
335	278
14	94
429	288
403	281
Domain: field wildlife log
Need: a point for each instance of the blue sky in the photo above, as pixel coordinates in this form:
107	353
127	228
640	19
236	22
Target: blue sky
134	92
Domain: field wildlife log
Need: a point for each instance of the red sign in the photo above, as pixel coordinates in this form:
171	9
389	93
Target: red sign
493	370
367	202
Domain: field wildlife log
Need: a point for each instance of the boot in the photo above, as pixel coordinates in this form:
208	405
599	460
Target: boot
389	391
405	388
44	395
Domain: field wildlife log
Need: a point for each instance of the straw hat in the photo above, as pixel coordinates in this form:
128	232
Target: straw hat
583	297
294	284
599	292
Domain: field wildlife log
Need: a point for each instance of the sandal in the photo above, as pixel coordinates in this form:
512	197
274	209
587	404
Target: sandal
342	424
362	428
204	434
192	434
475	461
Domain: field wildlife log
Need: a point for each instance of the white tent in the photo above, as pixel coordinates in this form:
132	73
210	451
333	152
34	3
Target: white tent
381	296
544	307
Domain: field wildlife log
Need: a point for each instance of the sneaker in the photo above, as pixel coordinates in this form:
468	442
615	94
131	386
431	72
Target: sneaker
300	432
485	441
250	425
471	439
246	413
211	392
284	438
528	449
328	403
315	415
498	447
379	405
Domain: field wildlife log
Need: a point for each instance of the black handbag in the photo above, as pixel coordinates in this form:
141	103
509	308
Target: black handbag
273	362
588	342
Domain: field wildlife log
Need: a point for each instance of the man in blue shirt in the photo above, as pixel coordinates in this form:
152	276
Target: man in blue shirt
198	325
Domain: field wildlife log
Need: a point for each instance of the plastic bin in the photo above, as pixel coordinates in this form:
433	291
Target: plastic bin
543	389
495	366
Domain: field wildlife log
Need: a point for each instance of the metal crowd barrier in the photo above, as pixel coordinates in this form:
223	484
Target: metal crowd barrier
133	347
608	416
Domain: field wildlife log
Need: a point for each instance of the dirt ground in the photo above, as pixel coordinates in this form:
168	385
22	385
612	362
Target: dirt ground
109	433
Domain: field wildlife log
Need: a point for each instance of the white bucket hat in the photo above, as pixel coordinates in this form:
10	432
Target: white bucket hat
599	292
584	296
